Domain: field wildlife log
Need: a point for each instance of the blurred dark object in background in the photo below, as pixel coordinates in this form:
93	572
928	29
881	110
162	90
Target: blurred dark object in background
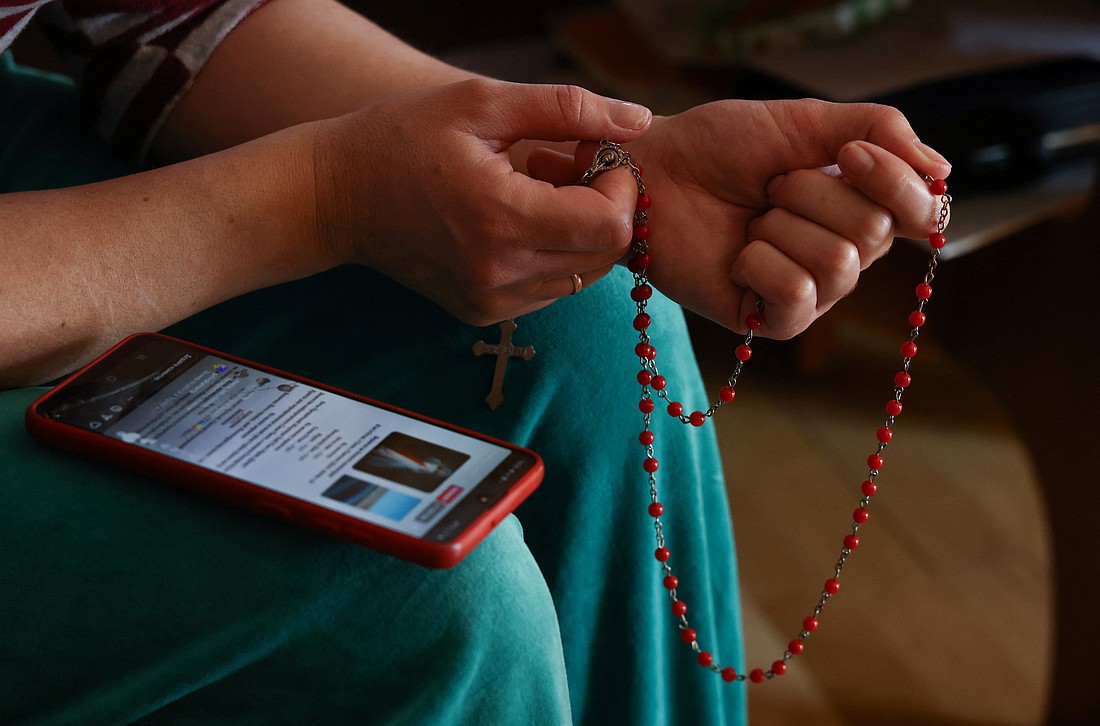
1005	128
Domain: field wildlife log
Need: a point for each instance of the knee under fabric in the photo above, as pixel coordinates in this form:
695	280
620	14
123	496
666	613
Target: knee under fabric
215	612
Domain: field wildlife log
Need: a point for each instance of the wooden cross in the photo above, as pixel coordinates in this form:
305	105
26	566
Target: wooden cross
503	351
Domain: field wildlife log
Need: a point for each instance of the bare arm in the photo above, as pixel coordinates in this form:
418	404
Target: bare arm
87	265
289	62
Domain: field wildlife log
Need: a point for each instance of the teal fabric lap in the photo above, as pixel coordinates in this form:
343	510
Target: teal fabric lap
214	613
124	600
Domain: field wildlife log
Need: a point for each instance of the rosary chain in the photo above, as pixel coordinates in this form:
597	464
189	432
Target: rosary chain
610	156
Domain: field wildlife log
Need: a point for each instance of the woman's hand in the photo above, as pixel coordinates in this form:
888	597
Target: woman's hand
786	201
421	187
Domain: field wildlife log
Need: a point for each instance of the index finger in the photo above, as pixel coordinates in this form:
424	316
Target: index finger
892	183
819	130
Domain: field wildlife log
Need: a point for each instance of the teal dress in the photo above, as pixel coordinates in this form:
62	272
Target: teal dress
123	599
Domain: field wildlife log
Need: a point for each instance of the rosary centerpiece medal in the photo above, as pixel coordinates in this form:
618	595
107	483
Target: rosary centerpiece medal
655	386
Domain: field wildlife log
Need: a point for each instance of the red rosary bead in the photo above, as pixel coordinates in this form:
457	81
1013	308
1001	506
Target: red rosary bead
795	647
650	464
743	352
937	240
662	554
697	418
646	405
639	263
832	586
861	515
884	435
687	635
938	187
642	321
670	582
679	608
908	349
753	321
729	675
645	377
868	488
779	668
851	542
917	318
641	292
893	407
644	350
704	658
875	461
656	509
646	438
902	380
756	675
924	291
809	624
727	393
675	408
644	202
641	232
659	383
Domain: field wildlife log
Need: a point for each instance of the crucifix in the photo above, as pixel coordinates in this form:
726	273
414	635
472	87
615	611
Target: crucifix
503	351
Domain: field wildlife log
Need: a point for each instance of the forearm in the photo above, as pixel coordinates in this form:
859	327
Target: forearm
289	62
88	265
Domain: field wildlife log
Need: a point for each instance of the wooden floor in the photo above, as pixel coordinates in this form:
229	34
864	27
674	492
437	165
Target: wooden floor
946	612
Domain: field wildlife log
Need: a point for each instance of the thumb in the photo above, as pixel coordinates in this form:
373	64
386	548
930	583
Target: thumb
562	113
835	125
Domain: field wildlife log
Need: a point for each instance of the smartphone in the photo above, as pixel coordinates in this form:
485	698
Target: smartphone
362	470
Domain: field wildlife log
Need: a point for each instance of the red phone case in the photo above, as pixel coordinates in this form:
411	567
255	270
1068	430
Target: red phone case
245	494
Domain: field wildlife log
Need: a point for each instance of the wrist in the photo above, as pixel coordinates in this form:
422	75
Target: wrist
339	217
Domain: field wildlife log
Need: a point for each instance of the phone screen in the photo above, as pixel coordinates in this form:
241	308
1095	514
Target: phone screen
337	452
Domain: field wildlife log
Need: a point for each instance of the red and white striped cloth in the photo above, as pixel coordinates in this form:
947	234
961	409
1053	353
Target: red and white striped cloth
132	59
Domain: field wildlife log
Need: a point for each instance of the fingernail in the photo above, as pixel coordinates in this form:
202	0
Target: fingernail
628	115
931	154
857	160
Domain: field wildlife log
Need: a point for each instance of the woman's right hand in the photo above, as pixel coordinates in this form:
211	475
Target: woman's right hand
420	187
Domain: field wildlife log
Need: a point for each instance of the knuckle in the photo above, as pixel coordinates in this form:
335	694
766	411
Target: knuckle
492	239
484	278
615	234
796	294
481	307
480	91
875	231
887	115
791	324
794	186
763	226
573	103
486	275
841	263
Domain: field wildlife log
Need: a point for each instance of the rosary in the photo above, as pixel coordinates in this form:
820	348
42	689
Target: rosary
610	156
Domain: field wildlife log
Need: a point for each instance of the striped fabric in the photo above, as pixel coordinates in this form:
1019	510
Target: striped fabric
14	16
132	59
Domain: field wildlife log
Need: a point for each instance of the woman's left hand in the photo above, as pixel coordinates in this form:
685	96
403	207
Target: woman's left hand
786	201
